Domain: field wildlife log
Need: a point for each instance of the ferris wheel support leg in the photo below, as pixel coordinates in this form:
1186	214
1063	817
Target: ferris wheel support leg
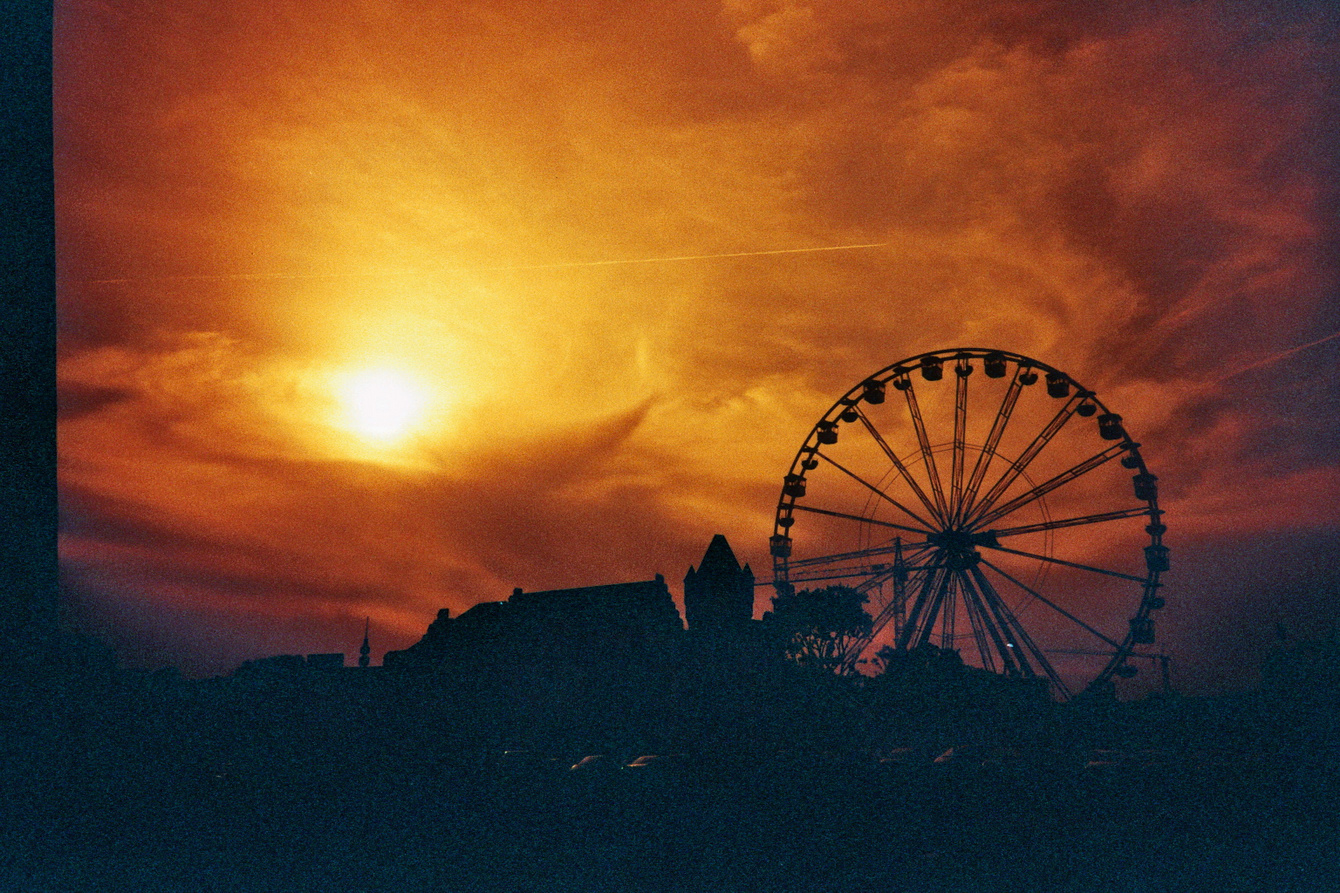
1010	652
1019	632
928	586
924	635
982	628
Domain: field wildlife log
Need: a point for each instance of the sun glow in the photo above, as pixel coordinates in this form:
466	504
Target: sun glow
383	404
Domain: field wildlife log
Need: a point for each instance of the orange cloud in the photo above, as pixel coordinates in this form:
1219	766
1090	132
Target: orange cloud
255	200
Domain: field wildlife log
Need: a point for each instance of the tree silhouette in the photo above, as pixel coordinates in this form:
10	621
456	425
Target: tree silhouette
815	627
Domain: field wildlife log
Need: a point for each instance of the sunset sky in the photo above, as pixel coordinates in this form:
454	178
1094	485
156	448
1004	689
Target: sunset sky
373	307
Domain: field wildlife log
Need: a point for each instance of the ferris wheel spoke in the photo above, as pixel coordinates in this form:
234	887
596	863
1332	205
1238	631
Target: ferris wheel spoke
927	456
960	426
866	574
1070	522
832	558
870	575
1055	607
949	613
988	452
1020	631
1043	489
832	514
836	575
882	574
907	565
1018	466
879	574
902	469
878	492
1083	567
978	621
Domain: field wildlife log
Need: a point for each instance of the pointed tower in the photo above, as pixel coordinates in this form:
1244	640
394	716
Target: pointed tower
719	594
365	651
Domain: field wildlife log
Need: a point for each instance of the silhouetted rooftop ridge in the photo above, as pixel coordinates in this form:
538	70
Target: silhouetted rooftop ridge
651	587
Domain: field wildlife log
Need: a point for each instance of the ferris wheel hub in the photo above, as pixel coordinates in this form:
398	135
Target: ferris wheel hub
961	539
958	547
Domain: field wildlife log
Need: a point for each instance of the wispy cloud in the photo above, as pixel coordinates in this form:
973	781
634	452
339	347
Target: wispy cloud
636	251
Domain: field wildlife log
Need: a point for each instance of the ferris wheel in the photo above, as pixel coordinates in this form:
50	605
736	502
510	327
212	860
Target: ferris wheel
986	503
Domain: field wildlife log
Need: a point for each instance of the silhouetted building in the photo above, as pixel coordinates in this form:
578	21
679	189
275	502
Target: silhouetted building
718	594
273	662
294	663
609	626
626	614
587	625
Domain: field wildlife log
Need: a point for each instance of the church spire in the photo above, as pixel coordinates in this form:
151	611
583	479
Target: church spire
365	652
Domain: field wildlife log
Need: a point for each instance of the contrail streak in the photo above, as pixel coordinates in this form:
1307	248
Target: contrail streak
553	266
657	260
1274	358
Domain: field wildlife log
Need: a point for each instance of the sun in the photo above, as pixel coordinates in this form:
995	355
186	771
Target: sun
383	404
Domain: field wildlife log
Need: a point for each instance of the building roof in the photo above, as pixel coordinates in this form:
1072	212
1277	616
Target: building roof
719	557
613	603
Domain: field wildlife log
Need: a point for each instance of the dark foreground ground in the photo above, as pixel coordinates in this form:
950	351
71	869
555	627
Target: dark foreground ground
251	794
485	822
